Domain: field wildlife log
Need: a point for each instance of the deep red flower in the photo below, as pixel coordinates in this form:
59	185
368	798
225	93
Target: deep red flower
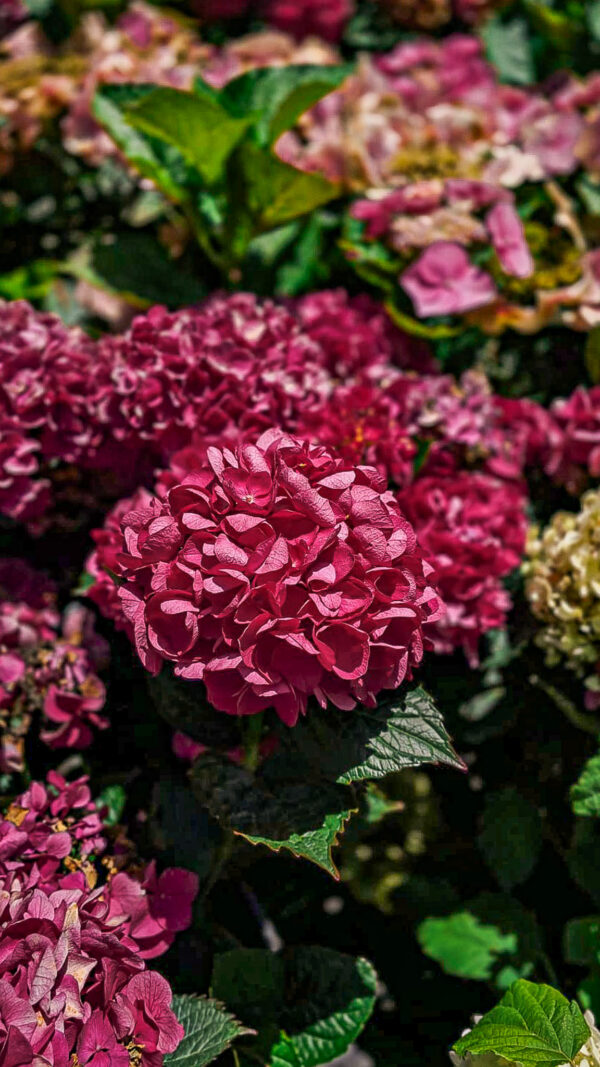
472	528
274	573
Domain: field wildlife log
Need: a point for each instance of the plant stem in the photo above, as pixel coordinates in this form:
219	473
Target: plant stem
589	723
252	738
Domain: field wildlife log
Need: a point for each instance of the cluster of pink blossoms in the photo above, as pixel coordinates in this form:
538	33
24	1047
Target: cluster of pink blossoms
74	988
232	367
46	668
275	572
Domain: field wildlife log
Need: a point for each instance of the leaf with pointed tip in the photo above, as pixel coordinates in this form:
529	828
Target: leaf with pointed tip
110	108
533	1025
279	95
203	131
282	806
209	1031
403	731
341	1018
308	1003
265	192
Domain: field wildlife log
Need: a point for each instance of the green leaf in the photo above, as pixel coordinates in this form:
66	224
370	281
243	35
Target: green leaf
464	946
185	707
114	799
110	108
585	794
404	731
283	806
265	192
203	131
582	940
509	48
136	267
533	1025
511	837
307	1003
279	95
592	354
344	993
209	1031
592	13
589	191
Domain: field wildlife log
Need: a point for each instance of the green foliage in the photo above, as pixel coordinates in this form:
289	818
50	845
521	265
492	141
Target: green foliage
134	266
511	836
307	1004
534	1025
209	1031
509	49
582	940
283	806
275	97
585	794
113	798
403	731
464	946
211	152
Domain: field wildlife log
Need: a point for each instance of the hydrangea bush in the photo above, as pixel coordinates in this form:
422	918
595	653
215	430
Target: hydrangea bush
299	533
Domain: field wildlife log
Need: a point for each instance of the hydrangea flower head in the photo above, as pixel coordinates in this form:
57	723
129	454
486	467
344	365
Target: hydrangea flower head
274	573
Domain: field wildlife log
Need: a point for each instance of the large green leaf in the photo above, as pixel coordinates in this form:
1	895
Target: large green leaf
585	794
464	946
511	837
533	1025
203	131
279	95
265	192
110	107
209	1031
404	731
308	1004
282	806
509	49
136	267
344	996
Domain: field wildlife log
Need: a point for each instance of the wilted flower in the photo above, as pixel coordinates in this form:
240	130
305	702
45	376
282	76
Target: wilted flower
563	586
275	573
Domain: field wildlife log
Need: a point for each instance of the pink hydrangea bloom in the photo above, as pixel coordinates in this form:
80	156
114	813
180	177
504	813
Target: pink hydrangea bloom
443	281
472	528
42	670
275	573
303	18
578	451
506	231
73	981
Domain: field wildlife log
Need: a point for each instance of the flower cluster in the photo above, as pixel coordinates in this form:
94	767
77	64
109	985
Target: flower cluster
275	572
74	987
472	528
218	373
44	671
563	588
432	14
305	18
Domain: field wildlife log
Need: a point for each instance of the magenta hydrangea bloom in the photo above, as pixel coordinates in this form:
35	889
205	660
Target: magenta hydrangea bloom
578	453
73	981
275	573
472	528
44	670
303	18
443	281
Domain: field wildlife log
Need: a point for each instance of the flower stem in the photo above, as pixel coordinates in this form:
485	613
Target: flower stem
252	738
